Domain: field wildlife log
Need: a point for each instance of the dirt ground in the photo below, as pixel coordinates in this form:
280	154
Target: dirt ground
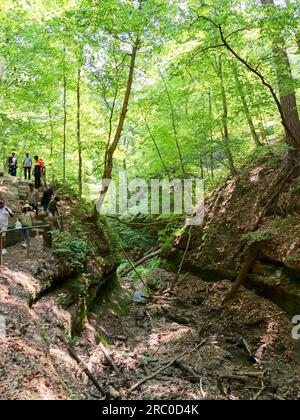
245	351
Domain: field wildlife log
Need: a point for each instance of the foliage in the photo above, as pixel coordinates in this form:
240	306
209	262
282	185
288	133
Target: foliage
73	251
176	116
258	236
167	235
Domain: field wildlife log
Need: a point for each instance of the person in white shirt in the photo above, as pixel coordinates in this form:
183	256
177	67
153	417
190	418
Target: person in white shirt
27	165
5	214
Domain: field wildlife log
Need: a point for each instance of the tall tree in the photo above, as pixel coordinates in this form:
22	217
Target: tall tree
78	118
247	113
286	90
107	173
65	116
225	130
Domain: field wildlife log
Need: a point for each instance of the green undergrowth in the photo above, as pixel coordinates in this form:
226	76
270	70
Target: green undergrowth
72	251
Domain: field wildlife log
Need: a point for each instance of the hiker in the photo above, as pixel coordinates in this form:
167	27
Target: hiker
12	165
37	172
26	220
32	197
5	214
47	196
43	168
52	208
27	165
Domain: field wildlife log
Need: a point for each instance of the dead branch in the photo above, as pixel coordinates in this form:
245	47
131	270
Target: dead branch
134	268
182	260
84	368
246	267
148	378
191	375
144	225
137	264
109	359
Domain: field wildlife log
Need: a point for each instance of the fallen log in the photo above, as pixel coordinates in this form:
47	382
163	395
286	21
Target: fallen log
134	268
140	225
137	264
246	267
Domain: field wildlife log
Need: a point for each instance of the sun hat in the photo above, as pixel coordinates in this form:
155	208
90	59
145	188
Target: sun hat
27	206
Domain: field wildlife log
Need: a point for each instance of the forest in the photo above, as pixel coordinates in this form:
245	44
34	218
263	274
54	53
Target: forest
139	304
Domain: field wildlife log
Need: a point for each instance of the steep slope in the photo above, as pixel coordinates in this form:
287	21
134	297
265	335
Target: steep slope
261	205
45	296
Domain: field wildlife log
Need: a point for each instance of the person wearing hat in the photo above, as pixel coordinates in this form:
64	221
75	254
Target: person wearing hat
26	220
5	214
32	197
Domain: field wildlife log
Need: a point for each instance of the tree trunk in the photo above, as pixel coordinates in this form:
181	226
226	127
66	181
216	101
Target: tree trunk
240	90
292	138
211	155
263	132
225	131
296	31
298	41
65	117
51	143
107	174
156	146
201	167
79	144
174	125
287	91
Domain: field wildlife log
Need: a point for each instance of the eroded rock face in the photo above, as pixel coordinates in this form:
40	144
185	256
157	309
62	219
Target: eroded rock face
42	298
233	211
34	364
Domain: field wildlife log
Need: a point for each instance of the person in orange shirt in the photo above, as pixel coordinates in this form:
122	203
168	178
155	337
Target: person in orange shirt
38	171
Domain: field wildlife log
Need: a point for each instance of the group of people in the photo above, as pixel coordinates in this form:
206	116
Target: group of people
30	211
35	167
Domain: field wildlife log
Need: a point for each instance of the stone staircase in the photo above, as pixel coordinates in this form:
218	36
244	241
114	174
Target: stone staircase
13	191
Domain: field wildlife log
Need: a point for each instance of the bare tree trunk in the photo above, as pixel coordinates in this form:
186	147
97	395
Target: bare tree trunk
263	132
225	130
298	41
211	134
107	174
156	146
247	113
174	125
79	143
296	31
201	167
65	116
286	90
292	137
125	147
110	129
51	142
